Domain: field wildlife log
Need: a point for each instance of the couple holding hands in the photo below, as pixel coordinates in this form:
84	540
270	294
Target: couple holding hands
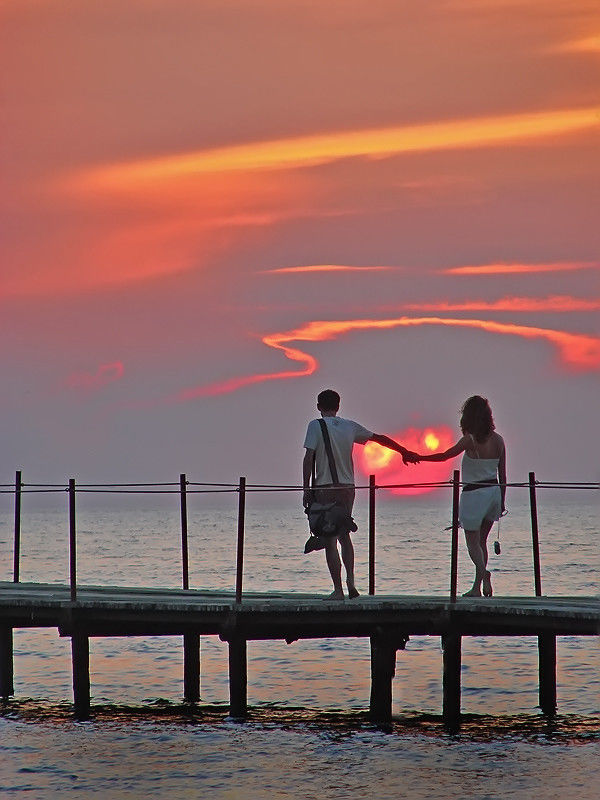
328	448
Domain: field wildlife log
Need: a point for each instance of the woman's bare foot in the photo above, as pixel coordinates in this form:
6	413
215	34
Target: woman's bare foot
487	585
353	591
474	592
335	596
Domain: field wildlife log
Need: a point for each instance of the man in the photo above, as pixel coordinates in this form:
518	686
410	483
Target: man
343	434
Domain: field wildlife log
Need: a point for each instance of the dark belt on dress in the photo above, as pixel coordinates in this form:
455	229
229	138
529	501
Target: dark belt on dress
470	487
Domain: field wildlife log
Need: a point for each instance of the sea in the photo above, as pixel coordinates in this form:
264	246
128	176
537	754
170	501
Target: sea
307	734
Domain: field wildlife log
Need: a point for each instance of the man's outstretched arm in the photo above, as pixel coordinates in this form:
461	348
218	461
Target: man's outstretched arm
385	441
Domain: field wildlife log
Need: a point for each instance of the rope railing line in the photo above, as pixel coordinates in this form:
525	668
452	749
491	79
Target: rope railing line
217	488
153	491
35	491
98	485
44	485
564	485
196	483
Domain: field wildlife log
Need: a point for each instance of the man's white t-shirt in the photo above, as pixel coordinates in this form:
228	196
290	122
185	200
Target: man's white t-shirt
343	434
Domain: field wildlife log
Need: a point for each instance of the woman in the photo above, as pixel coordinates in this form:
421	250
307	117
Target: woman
482	499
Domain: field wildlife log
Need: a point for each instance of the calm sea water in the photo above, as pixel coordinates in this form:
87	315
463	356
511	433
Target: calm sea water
308	734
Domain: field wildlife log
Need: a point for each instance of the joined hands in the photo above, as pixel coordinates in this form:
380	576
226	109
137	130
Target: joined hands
408	457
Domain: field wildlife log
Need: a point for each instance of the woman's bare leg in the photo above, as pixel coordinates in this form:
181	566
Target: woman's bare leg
484	532
473	539
486	527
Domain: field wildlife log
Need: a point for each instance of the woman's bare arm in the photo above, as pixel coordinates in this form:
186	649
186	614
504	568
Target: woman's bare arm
452	452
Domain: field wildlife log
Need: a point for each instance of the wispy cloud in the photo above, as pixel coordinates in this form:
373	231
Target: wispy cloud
324	148
514	269
587	44
576	351
556	303
90	381
324	268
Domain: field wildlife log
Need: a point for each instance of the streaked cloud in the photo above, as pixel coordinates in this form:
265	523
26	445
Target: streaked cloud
324	268
588	44
514	269
305	151
556	303
90	381
577	352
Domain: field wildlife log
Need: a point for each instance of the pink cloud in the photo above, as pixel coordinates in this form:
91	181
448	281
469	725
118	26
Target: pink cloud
556	303
516	269
577	352
324	268
91	381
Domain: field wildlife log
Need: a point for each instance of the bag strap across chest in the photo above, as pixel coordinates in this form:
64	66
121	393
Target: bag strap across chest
329	451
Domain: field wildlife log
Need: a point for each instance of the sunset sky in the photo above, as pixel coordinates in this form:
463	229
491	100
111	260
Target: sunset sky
213	210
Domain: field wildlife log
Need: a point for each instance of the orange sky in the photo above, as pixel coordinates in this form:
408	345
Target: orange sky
397	199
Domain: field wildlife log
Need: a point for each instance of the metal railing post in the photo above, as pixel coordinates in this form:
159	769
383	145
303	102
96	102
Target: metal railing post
72	540
454	547
240	540
371	534
537	573
184	532
17	545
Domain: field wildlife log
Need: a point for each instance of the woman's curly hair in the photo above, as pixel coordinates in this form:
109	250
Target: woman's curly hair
476	418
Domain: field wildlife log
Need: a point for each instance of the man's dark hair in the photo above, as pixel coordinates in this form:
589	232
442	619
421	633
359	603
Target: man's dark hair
328	400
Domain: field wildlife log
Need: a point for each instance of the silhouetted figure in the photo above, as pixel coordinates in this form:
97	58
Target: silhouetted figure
482	500
343	434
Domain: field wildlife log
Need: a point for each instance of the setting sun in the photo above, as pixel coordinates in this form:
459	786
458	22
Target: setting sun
431	441
377	456
389	470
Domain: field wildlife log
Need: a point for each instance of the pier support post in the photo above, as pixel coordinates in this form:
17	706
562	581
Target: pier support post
383	669
191	667
80	651
238	677
547	669
6	663
451	644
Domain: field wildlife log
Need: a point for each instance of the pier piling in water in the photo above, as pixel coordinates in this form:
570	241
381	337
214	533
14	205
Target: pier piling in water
547	669
6	663
80	650
383	669
451	644
191	667
238	677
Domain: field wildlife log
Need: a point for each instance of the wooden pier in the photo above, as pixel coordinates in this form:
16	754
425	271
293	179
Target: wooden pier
81	612
387	621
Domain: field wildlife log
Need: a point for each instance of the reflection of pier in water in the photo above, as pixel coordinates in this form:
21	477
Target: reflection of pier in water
81	612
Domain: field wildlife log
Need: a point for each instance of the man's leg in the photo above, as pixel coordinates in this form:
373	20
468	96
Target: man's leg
348	559
335	566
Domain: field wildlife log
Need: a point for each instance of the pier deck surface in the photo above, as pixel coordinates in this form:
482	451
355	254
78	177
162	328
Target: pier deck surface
129	611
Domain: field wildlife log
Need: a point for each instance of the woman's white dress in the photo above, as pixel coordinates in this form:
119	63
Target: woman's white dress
484	502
